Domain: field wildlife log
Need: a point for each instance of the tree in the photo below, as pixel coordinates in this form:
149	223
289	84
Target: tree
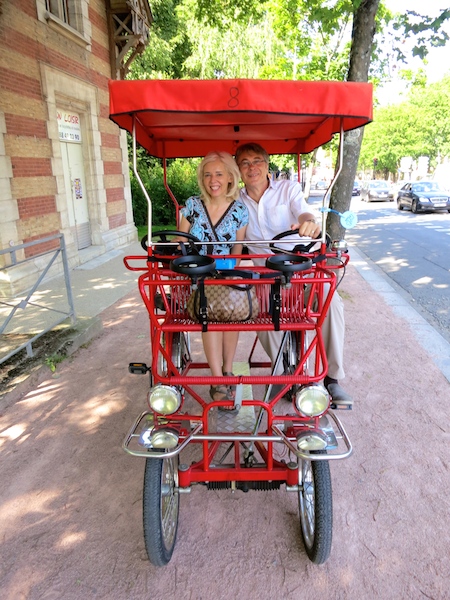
419	126
169	45
427	31
363	33
393	134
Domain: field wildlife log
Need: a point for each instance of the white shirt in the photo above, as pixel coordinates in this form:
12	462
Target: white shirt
279	207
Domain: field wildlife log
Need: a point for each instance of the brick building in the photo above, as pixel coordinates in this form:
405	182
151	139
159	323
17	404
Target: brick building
63	163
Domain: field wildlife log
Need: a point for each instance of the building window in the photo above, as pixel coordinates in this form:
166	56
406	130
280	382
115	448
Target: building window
68	17
59	8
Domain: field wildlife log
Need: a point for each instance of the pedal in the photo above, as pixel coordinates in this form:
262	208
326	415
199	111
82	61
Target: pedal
138	368
341	406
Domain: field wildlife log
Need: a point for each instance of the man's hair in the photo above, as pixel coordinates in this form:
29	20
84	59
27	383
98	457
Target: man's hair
230	166
253	148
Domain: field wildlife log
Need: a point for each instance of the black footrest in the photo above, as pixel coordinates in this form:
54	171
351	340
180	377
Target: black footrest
138	368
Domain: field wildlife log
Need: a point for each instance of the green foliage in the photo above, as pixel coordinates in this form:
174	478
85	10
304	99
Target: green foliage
223	13
169	46
214	55
288	39
314	35
427	31
53	360
417	127
181	179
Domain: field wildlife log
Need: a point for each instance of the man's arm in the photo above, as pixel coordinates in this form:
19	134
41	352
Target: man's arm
308	225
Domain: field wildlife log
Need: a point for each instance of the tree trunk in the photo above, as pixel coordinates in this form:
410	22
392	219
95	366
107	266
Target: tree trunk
360	54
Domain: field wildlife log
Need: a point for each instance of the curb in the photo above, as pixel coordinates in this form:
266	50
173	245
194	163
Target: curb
80	334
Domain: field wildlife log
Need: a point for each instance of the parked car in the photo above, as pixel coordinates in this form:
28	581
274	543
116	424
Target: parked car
356	189
423	195
376	190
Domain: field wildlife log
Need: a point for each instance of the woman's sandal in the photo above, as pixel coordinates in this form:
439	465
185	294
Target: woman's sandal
224	393
232	388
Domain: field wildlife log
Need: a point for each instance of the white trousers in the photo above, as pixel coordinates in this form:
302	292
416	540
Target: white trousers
333	332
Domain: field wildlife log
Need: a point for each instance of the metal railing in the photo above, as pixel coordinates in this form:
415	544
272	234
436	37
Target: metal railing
17	308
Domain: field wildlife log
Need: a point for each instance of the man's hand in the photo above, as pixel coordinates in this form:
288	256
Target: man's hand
307	228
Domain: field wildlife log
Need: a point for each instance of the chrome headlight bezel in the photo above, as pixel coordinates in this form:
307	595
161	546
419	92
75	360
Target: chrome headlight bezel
312	400
164	399
164	438
310	440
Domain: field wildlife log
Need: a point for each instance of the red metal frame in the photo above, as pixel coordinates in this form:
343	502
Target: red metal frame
298	313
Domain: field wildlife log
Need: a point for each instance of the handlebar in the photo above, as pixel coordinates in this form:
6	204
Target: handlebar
302	248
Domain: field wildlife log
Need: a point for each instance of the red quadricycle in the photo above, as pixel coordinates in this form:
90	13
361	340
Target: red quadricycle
282	430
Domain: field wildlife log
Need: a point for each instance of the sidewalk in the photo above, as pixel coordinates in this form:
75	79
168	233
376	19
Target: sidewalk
96	285
73	499
429	339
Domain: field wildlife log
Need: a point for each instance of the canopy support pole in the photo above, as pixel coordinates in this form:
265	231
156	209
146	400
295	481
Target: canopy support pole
147	197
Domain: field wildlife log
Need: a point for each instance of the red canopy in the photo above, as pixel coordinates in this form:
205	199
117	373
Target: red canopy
192	117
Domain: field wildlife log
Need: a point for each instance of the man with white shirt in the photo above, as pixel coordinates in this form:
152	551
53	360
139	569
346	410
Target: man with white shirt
274	207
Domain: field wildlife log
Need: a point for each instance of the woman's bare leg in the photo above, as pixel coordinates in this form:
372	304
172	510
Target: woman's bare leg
230	342
212	345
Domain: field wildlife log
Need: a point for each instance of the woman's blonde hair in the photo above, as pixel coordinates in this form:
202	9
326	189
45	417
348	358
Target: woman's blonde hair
231	168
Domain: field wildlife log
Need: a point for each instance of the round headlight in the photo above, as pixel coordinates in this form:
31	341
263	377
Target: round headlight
312	400
164	438
164	399
311	440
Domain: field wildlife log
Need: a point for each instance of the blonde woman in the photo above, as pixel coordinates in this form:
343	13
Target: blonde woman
220	219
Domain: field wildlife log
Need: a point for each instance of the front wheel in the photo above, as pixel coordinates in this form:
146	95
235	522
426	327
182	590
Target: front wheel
316	509
414	207
161	505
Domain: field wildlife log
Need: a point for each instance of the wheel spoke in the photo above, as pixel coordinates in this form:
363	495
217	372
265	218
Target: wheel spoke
167	518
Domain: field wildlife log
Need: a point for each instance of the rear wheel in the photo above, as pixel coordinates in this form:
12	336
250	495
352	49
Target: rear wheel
179	352
316	509
399	205
161	505
291	351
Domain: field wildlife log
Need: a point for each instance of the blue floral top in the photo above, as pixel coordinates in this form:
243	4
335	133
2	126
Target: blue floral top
235	217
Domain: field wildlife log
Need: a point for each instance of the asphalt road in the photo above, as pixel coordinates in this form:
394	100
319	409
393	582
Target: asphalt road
412	250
